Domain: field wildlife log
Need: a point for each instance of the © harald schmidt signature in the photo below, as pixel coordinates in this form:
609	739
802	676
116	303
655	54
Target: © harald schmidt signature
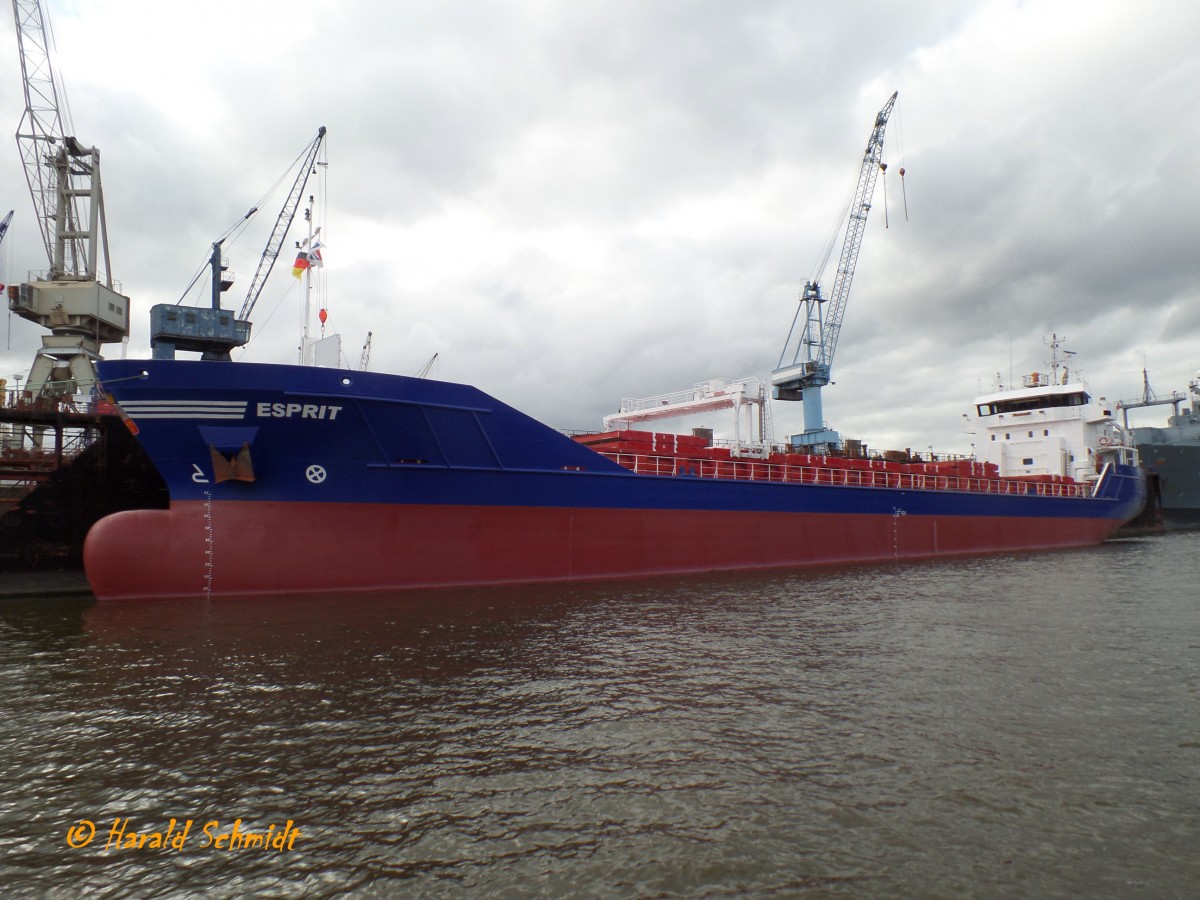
178	834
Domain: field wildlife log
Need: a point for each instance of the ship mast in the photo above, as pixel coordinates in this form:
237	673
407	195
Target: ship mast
315	350
320	351
305	339
1055	346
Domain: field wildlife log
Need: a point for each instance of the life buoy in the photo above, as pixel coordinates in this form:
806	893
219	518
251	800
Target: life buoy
1103	442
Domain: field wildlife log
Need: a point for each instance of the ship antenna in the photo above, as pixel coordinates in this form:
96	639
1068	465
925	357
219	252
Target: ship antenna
305	340
1055	343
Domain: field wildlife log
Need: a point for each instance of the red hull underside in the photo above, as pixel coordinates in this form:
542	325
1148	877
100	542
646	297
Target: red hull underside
236	549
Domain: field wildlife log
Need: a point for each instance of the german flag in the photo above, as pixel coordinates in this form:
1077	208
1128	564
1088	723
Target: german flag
301	264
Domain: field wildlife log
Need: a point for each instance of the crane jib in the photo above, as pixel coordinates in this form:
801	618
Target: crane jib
282	224
819	334
807	357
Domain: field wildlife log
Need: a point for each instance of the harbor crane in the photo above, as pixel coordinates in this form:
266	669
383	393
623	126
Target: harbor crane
214	332
365	359
82	309
1149	398
805	363
424	370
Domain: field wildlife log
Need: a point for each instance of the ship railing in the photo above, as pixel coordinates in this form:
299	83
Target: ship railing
25	443
748	470
23	468
71	403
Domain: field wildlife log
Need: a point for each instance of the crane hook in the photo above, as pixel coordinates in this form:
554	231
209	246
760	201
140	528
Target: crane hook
883	170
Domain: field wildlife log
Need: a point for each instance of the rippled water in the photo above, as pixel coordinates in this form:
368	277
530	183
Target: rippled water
1017	726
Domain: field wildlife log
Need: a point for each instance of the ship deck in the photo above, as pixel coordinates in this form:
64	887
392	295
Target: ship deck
648	453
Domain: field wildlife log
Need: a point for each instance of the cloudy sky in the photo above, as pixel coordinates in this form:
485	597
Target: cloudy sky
575	202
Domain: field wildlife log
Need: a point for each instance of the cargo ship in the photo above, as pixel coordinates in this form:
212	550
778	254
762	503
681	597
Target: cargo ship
287	479
1171	456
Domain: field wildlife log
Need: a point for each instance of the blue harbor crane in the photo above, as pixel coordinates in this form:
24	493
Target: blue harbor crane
214	332
807	357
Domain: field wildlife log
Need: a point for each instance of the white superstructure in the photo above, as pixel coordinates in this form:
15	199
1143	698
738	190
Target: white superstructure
1050	425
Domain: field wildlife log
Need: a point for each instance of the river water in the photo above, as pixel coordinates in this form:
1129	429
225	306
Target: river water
1015	726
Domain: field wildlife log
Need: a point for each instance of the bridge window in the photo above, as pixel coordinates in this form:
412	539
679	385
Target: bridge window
1023	404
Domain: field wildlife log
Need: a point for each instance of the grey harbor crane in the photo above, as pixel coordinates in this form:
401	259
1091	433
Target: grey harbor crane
74	299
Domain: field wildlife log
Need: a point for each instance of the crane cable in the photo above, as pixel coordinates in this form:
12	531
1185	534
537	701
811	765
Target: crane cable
59	86
240	225
827	249
204	267
899	132
883	166
883	172
322	165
